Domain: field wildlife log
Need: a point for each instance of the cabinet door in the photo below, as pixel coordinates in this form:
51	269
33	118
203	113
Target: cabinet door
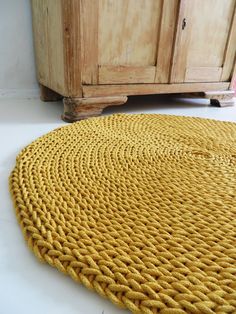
205	41
127	41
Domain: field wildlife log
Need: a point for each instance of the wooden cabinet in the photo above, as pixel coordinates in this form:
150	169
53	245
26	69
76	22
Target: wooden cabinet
95	53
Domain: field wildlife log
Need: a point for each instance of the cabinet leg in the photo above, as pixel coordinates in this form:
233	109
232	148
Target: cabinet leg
217	98
47	94
220	98
76	109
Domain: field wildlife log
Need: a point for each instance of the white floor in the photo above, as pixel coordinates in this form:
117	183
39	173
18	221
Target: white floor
27	286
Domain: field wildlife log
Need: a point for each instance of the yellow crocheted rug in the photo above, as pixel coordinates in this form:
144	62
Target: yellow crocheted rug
139	208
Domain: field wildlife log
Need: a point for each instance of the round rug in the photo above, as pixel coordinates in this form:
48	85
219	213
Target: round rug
139	208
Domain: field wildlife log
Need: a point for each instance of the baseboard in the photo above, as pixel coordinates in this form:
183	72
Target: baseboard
19	93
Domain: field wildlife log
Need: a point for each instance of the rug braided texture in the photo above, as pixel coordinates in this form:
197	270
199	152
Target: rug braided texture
140	208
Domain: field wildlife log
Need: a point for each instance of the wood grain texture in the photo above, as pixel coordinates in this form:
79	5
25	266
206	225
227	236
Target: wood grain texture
221	95
39	19
181	43
209	31
221	98
128	40
203	74
203	41
76	109
72	47
48	40
229	57
89	40
233	78
166	38
56	46
145	89
128	32
126	74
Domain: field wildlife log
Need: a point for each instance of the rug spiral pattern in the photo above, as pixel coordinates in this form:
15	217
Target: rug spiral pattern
139	208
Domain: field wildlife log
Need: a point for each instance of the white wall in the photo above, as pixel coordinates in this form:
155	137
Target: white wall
17	68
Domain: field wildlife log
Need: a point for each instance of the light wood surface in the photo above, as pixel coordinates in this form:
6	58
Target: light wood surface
128	32
229	57
49	44
211	20
220	98
205	74
72	47
128	39
233	79
223	95
76	109
216	98
145	89
89	40
166	40
141	35
203	41
39	14
181	43
126	74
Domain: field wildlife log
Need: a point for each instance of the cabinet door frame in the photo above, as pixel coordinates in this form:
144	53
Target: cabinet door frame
180	73
230	52
93	73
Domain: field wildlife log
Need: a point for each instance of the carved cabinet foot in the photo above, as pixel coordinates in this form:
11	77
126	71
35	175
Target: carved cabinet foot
76	109
47	94
220	98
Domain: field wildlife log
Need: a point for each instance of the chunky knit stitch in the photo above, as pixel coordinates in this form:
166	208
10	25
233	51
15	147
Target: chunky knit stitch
139	208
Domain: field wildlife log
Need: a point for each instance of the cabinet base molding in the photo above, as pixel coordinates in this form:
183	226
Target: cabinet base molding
148	89
47	94
221	103
220	98
76	109
217	98
93	102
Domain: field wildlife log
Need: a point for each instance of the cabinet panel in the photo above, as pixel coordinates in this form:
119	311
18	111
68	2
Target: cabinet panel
48	41
128	32
126	74
123	40
203	34
206	74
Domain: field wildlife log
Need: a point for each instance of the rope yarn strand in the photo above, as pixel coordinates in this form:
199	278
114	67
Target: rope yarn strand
140	208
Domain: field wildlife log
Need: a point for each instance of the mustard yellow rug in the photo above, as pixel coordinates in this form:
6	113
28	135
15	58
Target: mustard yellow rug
139	208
